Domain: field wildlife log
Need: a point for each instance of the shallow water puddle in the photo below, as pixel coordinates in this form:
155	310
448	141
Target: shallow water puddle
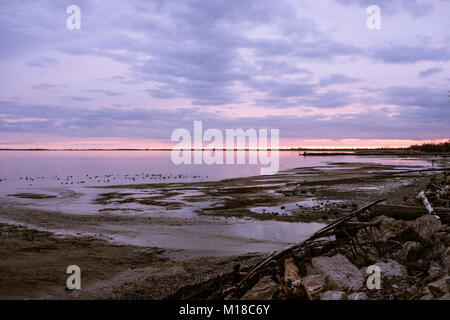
276	231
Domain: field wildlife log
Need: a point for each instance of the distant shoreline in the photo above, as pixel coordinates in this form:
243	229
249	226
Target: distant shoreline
206	149
302	151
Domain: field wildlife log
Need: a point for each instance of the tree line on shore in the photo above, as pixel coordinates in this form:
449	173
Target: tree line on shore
432	147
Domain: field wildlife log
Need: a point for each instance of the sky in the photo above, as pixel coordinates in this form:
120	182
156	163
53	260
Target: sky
137	70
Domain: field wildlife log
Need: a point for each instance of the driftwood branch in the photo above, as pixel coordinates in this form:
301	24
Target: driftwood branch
347	217
423	197
319	234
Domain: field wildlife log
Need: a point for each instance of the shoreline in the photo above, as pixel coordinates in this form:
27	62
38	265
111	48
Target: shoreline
137	271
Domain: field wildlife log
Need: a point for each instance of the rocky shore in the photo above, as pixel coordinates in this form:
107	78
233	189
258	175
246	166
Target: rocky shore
412	255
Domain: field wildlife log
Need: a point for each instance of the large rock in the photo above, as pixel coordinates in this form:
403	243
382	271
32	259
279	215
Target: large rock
314	284
339	271
391	268
333	295
263	290
426	226
386	228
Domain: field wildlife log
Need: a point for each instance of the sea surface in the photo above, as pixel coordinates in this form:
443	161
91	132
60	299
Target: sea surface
31	170
66	174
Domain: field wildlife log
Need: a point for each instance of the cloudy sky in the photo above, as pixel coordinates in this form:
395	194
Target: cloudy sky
137	70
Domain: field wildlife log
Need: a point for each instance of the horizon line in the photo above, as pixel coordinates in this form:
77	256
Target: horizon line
207	149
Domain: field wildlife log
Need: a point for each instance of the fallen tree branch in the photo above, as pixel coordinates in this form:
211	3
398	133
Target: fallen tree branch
316	235
264	262
347	217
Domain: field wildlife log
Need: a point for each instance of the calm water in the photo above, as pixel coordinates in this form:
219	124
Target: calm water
37	169
66	173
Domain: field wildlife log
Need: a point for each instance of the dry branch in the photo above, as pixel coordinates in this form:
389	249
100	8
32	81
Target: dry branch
347	217
319	234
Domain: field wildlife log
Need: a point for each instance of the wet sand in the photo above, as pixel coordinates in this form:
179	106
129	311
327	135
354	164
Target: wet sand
34	266
185	233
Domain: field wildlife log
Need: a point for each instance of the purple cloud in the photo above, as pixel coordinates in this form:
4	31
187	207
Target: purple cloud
429	72
139	62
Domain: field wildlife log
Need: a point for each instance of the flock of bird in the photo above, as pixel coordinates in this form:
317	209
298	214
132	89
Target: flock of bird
108	178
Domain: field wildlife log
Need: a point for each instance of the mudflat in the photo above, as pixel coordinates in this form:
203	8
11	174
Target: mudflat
34	266
194	242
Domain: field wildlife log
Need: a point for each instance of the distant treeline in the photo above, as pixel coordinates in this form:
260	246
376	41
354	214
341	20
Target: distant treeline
432	147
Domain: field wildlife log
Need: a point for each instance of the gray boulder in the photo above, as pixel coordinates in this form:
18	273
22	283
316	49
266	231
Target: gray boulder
314	284
263	290
391	268
426	226
339	271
